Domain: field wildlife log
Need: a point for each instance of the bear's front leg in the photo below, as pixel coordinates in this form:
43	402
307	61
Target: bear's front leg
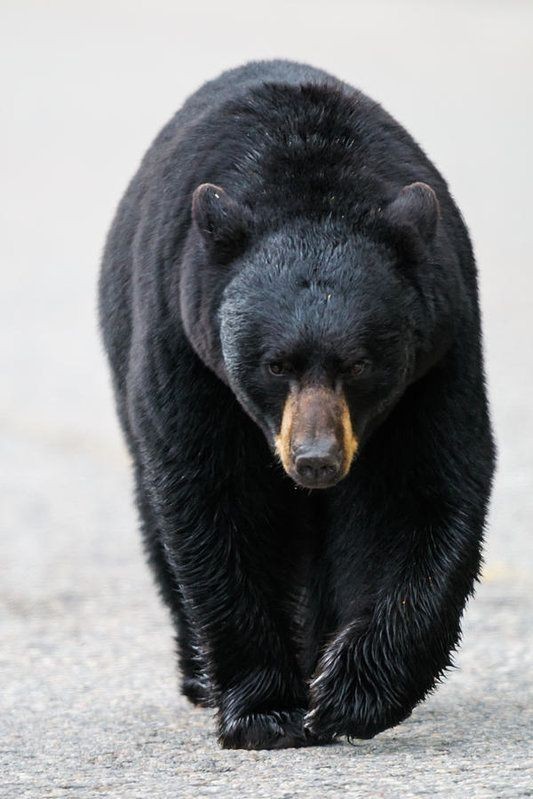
237	609
403	551
378	666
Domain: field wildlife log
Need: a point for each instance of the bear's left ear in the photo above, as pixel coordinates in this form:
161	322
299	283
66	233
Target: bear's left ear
223	223
415	207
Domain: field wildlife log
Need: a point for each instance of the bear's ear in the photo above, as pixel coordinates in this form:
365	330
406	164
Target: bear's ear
223	223
414	208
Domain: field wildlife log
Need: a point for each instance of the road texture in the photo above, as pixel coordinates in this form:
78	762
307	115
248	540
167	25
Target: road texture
88	701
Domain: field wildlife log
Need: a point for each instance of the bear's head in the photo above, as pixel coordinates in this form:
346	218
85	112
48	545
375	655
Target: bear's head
314	326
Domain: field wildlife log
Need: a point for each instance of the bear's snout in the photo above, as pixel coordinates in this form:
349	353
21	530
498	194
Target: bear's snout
316	442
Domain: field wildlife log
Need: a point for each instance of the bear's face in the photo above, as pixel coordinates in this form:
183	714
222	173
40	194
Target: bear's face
316	345
317	342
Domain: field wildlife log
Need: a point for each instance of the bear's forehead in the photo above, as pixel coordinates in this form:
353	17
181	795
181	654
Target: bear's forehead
311	284
314	285
315	279
344	272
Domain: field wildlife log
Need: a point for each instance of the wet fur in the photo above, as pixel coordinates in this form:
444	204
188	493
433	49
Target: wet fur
299	615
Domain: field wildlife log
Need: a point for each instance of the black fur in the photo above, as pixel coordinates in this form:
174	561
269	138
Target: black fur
301	615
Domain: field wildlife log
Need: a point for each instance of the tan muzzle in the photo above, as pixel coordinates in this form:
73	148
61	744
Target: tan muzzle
316	443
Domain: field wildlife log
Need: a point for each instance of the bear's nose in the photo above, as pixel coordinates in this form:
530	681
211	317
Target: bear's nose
318	466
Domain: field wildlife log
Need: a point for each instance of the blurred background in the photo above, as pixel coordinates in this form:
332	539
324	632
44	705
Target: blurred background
89	699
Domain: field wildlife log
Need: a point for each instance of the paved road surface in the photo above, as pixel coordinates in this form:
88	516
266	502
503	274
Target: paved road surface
88	705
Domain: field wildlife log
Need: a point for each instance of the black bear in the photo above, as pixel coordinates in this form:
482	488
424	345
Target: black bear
289	303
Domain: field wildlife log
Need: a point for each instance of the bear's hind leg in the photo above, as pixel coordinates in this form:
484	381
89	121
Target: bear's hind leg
194	681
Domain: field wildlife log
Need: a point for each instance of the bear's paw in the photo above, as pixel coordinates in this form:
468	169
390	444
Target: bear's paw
279	729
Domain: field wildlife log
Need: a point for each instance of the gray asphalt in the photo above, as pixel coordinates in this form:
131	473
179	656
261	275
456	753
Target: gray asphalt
89	705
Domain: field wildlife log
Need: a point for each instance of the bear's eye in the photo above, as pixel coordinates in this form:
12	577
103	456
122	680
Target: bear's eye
357	368
279	368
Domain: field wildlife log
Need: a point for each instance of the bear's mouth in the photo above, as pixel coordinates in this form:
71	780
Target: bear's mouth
316	442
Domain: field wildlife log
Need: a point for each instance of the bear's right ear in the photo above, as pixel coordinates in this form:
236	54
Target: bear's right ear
223	223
